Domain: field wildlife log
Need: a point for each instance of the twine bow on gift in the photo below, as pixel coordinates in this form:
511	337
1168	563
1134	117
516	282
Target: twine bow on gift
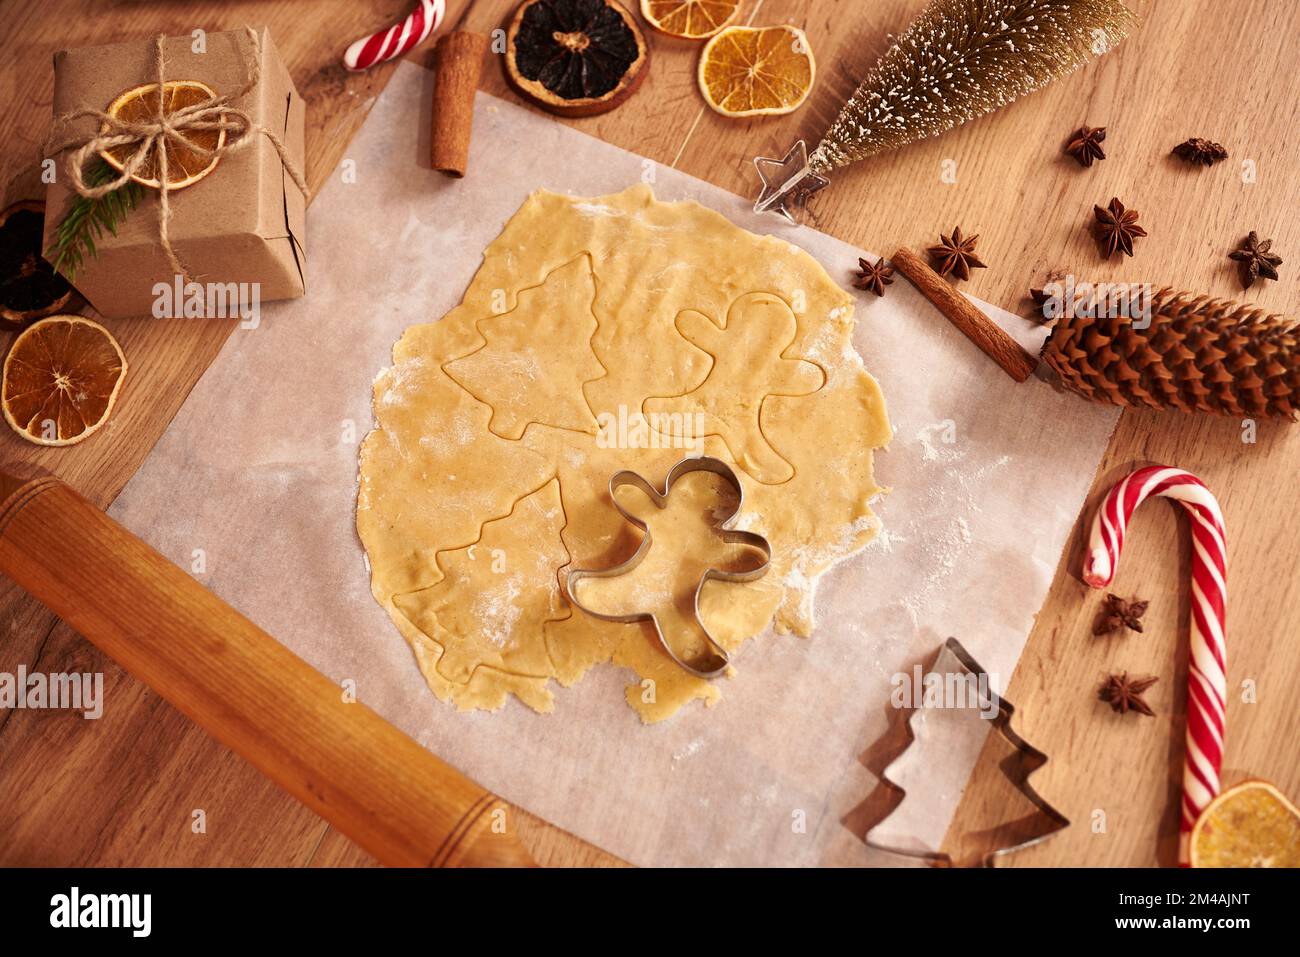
147	139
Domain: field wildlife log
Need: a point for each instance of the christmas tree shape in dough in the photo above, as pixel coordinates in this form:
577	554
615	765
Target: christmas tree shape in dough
536	357
749	364
496	594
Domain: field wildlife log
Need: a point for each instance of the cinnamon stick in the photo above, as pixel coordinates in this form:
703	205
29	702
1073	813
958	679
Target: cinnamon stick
457	62
957	309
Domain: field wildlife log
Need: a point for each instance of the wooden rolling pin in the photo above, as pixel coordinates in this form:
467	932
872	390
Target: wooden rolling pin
350	766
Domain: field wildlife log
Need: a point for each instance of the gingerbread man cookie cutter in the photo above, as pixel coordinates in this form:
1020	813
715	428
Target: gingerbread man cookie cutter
716	661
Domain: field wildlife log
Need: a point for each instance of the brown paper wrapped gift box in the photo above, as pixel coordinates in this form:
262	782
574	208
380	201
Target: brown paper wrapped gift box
243	222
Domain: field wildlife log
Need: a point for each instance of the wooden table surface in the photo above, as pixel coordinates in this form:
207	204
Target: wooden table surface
124	789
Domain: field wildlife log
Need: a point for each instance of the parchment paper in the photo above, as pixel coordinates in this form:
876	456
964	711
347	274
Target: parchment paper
253	488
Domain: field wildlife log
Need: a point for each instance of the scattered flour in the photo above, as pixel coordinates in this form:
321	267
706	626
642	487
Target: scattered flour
596	209
801	586
931	452
400	380
576	457
940	555
498	612
690	749
885	540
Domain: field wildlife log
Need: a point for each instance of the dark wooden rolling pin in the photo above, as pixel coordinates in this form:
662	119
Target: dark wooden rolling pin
350	766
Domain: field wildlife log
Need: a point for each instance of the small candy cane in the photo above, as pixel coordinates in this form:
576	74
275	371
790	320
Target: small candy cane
1208	662
397	39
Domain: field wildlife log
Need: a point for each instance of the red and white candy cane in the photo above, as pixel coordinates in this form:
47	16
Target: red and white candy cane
397	39
1208	661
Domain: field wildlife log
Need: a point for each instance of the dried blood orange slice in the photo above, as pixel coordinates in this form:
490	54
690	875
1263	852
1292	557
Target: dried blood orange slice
29	286
1250	825
690	19
185	166
575	57
61	380
757	71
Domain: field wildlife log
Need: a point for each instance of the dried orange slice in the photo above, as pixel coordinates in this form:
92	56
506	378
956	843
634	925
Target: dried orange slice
757	71
689	19
185	167
61	380
29	286
1250	825
575	57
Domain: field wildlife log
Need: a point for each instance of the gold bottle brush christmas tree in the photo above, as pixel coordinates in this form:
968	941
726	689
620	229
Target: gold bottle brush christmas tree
958	60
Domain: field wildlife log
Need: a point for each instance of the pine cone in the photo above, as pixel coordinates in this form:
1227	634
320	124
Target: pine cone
1198	355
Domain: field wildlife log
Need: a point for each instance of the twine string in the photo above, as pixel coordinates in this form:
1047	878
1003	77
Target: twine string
148	138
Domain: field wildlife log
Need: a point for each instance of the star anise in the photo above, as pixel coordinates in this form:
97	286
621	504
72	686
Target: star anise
1197	150
1257	259
1085	144
1117	227
1117	613
957	254
874	277
1124	694
1041	298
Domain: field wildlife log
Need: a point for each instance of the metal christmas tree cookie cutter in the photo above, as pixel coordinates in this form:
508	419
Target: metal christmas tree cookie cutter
717	660
1022	761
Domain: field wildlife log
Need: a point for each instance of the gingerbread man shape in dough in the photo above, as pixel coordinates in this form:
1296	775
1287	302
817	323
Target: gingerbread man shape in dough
748	365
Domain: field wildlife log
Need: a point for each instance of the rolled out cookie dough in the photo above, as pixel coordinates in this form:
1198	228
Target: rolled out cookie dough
603	334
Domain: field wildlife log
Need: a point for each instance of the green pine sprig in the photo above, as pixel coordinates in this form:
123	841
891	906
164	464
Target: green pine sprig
88	219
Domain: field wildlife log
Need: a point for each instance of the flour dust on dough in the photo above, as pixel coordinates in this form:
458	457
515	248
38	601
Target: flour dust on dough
601	334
